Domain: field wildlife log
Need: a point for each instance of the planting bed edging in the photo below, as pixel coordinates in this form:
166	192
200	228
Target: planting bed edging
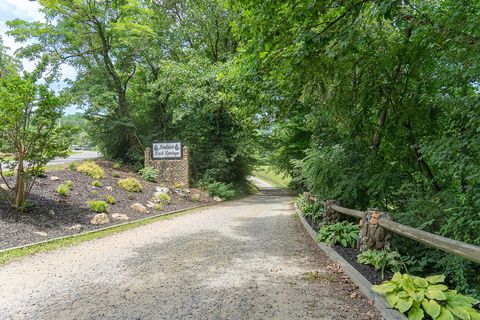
363	284
106	228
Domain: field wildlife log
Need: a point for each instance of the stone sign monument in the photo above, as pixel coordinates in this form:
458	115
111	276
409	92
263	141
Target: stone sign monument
170	158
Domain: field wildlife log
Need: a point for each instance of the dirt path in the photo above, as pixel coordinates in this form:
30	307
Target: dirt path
248	259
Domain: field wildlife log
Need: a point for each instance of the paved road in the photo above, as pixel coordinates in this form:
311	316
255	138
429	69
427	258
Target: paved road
77	157
247	259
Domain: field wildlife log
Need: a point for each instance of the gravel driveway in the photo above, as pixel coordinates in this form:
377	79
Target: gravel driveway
247	259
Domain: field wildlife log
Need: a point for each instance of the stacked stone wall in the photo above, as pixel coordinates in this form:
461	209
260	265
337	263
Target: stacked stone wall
172	171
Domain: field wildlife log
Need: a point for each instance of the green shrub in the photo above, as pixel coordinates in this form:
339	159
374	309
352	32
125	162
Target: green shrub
72	166
94	192
158	206
381	260
343	233
117	165
116	175
8	173
130	184
178	185
98	206
110	199
221	190
149	174
312	211
91	169
69	184
37	171
426	298
162	198
97	184
63	190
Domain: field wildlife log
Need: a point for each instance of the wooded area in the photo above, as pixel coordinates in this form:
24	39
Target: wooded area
371	103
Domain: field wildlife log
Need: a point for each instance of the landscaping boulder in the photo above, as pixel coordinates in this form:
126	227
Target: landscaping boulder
120	217
75	227
4	186
139	208
54	178
217	199
163	190
109	188
41	233
150	204
182	192
51	212
101	218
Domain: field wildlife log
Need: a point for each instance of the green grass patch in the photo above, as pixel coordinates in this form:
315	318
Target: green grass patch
268	175
10	255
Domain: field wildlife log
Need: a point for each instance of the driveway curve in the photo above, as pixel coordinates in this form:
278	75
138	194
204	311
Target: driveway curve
246	259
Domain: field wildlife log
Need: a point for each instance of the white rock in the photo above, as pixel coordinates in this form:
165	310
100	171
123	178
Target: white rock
150	204
139	207
75	227
100	218
120	216
4	186
163	190
51	212
54	178
217	199
41	233
109	188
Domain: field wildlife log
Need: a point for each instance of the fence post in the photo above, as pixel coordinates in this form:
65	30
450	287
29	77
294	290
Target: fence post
330	215
372	236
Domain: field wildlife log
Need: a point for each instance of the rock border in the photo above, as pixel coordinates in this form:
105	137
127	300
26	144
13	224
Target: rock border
363	284
106	228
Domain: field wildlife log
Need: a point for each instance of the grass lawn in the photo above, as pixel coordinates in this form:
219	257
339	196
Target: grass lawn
266	174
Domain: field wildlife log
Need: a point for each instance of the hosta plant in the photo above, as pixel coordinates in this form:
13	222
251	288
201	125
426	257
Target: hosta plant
427	298
381	260
343	233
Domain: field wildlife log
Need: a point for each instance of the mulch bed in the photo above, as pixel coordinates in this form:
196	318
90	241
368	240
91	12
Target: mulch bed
53	216
350	255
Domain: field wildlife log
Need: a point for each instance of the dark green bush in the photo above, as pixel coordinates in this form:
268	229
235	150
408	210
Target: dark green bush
222	190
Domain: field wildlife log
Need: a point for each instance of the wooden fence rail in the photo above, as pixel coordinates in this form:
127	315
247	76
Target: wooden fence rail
462	249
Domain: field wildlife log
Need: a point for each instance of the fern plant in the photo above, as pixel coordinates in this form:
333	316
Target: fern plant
343	233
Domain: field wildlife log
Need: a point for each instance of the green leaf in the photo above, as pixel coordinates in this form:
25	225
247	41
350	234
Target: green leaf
384	287
474	314
431	307
418	296
415	314
440	287
392	299
445	315
435	279
420	282
403	304
458	311
435	294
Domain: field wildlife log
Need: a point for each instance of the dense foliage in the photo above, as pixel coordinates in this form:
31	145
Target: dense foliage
374	104
149	70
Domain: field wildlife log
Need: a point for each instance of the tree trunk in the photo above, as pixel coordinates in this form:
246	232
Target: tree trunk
20	184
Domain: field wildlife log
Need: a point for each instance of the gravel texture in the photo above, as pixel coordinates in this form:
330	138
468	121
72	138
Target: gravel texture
247	259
